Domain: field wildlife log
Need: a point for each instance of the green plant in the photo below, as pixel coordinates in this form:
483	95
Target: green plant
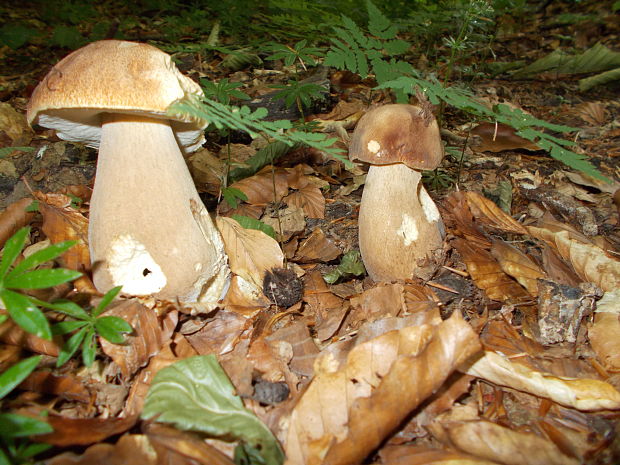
437	179
223	91
15	427
87	325
254	123
350	265
6	151
23	309
300	53
299	93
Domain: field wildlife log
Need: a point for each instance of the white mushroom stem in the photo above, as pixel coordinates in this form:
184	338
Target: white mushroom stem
149	230
400	230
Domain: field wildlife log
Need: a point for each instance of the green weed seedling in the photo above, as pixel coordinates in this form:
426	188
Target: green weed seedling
14	428
23	309
88	325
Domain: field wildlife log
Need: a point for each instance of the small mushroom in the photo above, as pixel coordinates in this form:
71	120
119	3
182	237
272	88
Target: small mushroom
400	230
149	230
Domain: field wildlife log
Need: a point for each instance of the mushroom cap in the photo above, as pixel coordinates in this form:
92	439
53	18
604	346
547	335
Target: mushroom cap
397	133
113	76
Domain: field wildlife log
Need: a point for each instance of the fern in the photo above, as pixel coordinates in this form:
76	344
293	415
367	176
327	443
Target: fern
526	125
254	123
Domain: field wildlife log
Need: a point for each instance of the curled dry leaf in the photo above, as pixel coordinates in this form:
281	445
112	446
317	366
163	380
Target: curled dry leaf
518	265
148	336
497	137
349	409
14	217
12	334
317	248
130	448
84	431
491	441
244	297
581	394
251	253
418	455
460	220
260	187
488	274
67	386
310	199
604	333
490	215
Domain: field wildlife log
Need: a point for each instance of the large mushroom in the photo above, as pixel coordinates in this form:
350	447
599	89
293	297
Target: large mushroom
149	231
400	230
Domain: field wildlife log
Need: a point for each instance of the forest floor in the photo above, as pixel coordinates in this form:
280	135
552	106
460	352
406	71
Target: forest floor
508	354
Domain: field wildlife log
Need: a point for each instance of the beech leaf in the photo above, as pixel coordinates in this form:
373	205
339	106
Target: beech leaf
195	394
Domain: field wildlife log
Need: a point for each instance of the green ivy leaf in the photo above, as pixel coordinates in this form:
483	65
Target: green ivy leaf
196	395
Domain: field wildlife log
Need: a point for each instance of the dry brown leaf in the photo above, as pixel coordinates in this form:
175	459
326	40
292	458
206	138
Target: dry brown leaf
310	199
491	441
418	455
244	297
488	274
304	348
176	447
83	431
459	218
582	394
66	386
591	112
260	187
317	248
490	215
12	334
286	222
207	171
130	448
348	410
496	137
518	265
14	217
62	222
148	336
604	333
14	125
557	269
251	253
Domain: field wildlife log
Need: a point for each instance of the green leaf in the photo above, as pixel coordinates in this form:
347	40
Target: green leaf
26	314
40	279
112	328
106	300
71	346
196	395
89	348
16	35
248	222
350	265
233	195
13	425
12	248
15	374
65	327
68	307
42	256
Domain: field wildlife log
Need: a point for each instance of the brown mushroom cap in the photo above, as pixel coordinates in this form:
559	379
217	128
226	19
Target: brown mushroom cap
397	133
112	76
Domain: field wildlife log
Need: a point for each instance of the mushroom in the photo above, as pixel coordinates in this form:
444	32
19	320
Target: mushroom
400	230
148	230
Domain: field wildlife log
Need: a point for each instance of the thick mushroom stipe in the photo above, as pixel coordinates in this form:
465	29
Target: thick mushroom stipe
174	252
404	239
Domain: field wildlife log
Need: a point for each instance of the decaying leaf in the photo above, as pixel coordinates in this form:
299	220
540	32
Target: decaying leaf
148	336
490	215
604	333
491	441
286	222
84	431
317	248
518	265
488	274
348	409
589	261
14	217
310	199
260	187
251	253
12	334
418	455
130	448
496	137
582	394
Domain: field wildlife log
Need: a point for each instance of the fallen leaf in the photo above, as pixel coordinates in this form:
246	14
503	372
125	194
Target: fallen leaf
251	253
260	187
419	455
13	218
491	441
581	394
310	199
84	431
130	448
286	222
497	137
490	215
317	248
14	125
148	336
518	265
12	334
67	386
604	333
347	410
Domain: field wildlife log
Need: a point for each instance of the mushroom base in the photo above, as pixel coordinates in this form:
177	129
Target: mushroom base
149	231
401	233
